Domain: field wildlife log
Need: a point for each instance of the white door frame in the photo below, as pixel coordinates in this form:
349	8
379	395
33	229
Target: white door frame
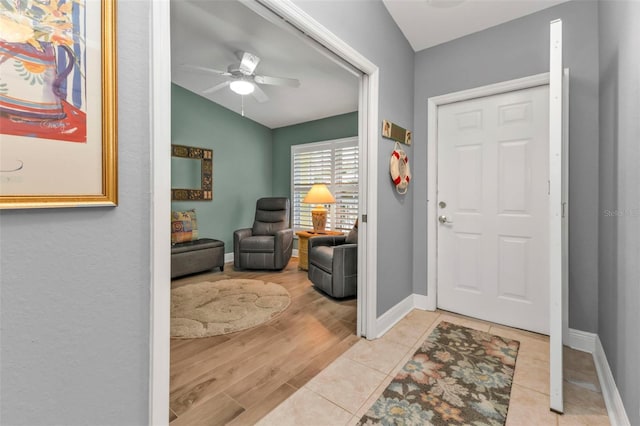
160	250
160	123
558	221
432	166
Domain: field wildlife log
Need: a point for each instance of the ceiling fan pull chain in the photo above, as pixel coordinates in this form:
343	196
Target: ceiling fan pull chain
242	103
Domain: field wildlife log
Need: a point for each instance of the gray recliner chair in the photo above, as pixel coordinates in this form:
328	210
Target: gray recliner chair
333	263
268	245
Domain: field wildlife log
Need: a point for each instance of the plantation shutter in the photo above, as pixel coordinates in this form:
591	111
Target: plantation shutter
345	187
334	163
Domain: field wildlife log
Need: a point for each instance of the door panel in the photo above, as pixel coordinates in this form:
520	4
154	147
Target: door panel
514	177
469	177
513	255
467	266
493	177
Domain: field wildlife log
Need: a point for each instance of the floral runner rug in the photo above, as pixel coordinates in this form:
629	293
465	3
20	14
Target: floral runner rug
459	376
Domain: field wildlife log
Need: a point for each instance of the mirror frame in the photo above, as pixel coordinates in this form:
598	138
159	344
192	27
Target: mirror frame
205	193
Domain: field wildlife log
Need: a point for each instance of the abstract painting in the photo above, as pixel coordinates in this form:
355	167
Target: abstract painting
42	69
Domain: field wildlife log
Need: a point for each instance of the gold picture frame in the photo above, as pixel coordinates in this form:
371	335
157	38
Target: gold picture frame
76	139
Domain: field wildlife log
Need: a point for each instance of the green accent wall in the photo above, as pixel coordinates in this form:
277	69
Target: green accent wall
242	164
336	127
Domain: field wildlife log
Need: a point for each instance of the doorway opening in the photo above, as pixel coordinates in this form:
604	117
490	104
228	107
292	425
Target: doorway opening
289	14
493	204
539	80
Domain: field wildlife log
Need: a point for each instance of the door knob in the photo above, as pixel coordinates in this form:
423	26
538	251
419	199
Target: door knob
443	219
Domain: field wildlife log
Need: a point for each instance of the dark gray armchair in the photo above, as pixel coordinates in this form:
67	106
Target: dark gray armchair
268	245
333	263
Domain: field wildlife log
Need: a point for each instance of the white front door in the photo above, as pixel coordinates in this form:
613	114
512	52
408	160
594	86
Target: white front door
493	208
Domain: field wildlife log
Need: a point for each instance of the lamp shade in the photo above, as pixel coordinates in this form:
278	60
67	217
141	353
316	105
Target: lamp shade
319	194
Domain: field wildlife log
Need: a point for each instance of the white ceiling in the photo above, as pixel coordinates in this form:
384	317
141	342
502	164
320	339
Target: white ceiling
427	23
207	33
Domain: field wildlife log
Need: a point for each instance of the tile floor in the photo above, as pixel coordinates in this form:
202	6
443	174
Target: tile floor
344	391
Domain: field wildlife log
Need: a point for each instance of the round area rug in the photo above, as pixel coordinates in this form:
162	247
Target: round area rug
212	308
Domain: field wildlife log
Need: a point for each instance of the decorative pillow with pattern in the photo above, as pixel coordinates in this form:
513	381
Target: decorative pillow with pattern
184	226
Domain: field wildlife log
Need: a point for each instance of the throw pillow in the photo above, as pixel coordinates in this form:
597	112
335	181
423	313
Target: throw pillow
352	237
184	226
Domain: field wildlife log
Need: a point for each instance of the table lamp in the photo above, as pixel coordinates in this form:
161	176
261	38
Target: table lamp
319	194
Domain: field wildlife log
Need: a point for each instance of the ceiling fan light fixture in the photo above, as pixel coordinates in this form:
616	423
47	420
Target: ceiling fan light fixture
242	87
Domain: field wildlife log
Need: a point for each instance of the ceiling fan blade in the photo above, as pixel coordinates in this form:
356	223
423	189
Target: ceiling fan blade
216	87
248	63
205	69
277	81
259	94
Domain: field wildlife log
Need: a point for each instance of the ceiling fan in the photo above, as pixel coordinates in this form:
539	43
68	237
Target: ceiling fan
242	79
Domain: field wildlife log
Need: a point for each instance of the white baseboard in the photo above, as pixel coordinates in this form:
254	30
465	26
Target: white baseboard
582	340
294	253
422	302
399	311
393	315
612	399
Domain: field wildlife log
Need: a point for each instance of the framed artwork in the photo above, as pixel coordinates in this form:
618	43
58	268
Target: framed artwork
58	106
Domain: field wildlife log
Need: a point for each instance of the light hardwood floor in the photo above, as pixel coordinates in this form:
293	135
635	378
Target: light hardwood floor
238	378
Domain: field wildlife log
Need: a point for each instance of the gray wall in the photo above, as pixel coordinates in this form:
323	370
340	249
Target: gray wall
512	50
242	170
75	282
367	27
619	250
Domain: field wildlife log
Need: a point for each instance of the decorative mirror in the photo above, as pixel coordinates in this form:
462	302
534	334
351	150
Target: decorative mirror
191	173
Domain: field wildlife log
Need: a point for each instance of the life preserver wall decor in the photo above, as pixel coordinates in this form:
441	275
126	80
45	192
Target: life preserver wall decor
399	169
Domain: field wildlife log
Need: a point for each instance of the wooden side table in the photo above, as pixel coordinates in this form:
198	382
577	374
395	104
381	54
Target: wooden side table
303	246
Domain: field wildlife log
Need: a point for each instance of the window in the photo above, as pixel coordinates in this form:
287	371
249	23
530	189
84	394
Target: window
334	163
